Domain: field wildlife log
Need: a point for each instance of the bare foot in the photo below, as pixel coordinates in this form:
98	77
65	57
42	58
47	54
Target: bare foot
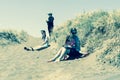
50	61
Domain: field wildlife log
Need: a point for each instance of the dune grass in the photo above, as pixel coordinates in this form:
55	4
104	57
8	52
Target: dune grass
99	31
8	37
96	29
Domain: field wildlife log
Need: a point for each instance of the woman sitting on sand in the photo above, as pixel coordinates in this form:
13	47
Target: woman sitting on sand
45	43
72	44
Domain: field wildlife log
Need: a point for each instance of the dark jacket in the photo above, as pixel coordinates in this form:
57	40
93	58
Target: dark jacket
50	21
73	42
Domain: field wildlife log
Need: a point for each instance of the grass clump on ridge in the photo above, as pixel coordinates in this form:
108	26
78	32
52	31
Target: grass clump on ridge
8	37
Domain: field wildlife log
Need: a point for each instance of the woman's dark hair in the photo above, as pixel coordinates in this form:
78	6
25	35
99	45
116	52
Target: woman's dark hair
73	30
43	31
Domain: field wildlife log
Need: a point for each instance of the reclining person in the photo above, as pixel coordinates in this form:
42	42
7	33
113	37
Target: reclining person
45	43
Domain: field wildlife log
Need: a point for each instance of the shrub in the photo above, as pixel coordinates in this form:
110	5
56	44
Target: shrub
94	28
12	37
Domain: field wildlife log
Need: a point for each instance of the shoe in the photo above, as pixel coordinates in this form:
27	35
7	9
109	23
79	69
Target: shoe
25	48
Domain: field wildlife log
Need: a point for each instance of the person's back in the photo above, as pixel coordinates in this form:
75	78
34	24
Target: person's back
50	23
77	43
50	19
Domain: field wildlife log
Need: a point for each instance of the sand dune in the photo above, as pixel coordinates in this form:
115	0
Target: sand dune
18	64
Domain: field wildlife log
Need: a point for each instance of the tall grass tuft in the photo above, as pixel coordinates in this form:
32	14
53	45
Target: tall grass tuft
8	37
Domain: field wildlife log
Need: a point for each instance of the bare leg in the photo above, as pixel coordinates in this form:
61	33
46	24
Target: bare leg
56	56
36	47
62	54
40	47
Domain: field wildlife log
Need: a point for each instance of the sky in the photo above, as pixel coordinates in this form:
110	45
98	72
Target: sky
31	15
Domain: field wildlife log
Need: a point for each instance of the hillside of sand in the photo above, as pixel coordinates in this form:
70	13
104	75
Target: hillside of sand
99	34
18	64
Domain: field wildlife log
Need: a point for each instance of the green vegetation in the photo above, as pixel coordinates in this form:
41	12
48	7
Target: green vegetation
12	37
99	31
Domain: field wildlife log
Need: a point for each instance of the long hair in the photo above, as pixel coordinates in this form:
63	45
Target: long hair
43	34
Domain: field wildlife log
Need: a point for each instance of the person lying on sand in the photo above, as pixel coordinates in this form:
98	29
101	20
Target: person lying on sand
71	48
45	43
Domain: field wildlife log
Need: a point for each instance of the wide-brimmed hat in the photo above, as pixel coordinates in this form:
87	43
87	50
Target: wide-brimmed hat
73	30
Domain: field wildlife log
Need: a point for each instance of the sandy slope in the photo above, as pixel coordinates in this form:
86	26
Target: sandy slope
17	64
